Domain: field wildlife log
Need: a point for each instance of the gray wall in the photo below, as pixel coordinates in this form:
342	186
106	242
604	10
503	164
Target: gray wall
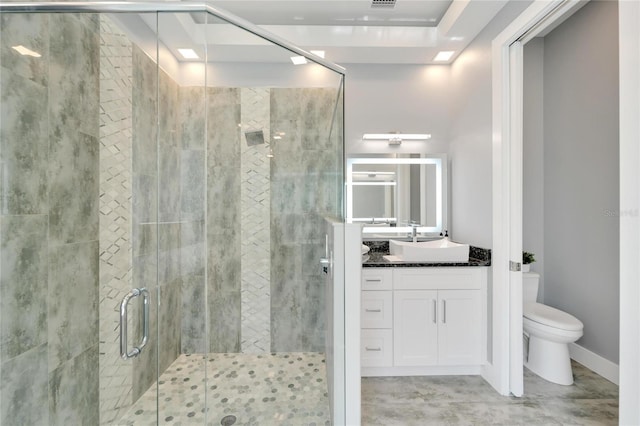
533	151
581	179
579	172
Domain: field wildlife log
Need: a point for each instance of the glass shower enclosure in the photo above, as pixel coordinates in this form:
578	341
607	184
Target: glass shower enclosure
167	177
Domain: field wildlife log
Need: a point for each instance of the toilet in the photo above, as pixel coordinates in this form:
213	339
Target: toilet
548	332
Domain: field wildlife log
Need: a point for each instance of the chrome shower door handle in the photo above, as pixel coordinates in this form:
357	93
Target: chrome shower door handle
124	352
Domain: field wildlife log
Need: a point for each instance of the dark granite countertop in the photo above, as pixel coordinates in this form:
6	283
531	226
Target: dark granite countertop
378	249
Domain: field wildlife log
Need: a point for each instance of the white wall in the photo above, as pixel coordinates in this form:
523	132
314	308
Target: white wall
471	134
403	98
581	173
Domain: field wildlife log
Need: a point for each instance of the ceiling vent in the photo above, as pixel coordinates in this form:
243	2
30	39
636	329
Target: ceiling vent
383	3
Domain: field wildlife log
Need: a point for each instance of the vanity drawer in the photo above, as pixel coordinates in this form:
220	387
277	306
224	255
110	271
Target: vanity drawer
376	309
377	278
461	278
376	348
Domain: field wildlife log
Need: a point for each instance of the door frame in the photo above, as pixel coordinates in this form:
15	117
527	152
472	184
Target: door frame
505	373
629	36
540	18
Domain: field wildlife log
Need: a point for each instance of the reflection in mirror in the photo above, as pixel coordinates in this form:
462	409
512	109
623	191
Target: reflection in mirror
389	195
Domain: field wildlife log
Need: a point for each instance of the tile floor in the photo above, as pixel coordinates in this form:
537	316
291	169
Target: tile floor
469	400
251	389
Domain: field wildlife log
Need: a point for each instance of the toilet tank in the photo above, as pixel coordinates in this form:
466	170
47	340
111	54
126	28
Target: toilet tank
530	281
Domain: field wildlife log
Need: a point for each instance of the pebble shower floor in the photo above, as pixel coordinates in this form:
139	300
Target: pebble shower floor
241	389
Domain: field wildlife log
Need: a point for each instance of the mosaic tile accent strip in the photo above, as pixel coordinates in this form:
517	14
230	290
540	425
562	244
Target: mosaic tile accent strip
115	214
257	389
255	230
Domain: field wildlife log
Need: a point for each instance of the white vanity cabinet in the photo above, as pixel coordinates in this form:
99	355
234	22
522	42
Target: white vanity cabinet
376	318
438	321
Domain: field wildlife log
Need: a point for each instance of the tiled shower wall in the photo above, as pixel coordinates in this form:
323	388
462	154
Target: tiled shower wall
49	224
116	378
157	227
223	219
265	291
255	226
305	187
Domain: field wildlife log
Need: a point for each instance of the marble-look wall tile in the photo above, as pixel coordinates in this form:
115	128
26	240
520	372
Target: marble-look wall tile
223	117
145	274
144	124
223	198
194	327
192	184
74	74
23	284
24	144
73	391
24	389
192	102
74	184
193	179
223	218
73	301
192	248
169	150
223	262
224	321
301	195
169	326
32	31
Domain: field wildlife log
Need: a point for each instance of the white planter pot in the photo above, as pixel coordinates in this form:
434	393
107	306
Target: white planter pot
526	267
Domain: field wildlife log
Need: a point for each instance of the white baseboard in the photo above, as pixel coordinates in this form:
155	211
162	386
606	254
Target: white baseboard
595	362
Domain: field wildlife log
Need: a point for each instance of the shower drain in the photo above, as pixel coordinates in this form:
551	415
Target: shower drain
228	420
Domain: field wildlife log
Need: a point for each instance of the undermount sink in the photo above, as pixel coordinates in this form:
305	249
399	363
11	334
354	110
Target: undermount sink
430	251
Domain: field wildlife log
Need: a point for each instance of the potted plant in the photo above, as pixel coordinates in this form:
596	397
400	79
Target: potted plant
527	259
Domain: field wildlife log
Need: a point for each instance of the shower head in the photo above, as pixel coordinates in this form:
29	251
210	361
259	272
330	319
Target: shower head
254	137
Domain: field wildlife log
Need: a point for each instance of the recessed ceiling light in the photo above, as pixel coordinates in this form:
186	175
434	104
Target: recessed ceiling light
444	55
298	60
319	53
188	53
26	52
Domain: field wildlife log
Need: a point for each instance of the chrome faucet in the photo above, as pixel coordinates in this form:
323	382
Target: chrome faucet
414	231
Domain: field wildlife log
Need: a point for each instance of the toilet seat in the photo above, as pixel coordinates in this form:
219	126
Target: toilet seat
551	317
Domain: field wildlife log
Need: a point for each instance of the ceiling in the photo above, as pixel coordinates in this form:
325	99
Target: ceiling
338	12
355	31
351	31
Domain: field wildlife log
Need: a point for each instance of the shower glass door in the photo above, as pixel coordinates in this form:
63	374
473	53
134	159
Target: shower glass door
165	183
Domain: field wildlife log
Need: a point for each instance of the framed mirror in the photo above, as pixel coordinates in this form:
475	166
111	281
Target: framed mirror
389	195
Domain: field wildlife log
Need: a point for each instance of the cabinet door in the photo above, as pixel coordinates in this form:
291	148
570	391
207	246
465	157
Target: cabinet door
415	328
459	331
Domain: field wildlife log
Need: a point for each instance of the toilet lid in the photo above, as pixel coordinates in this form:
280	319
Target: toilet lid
552	317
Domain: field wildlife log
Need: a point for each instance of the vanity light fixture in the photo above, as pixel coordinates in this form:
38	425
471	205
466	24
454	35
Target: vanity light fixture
319	53
188	54
396	138
298	60
25	51
444	56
